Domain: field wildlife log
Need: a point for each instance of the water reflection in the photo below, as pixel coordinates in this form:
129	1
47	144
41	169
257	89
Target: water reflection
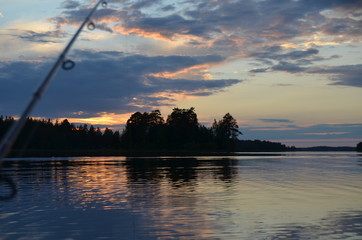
175	191
179	171
240	197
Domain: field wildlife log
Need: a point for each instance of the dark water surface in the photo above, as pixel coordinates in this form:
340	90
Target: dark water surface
303	195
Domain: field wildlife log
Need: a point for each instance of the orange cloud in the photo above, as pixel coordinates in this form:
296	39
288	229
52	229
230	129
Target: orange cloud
109	19
174	96
183	71
142	33
188	72
164	36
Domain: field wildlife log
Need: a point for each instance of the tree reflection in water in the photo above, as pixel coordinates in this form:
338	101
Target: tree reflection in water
179	171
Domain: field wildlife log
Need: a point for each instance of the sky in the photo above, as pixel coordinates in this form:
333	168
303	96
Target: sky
288	71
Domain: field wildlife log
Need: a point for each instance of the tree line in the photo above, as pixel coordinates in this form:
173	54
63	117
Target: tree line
181	130
147	131
42	134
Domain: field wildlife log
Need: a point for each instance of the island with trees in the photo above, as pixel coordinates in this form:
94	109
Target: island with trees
144	133
359	147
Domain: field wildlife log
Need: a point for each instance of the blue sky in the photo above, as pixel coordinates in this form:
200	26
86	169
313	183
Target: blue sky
288	70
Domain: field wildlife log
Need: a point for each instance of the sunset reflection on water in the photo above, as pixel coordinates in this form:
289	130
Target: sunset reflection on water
98	183
276	196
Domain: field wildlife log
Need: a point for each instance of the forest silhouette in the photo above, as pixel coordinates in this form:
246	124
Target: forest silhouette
144	133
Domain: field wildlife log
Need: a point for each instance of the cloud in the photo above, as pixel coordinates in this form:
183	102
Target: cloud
326	133
246	22
347	75
289	61
276	53
69	4
1	15
168	8
40	37
301	61
276	120
288	67
260	30
111	82
103	17
300	54
144	4
259	70
168	27
191	87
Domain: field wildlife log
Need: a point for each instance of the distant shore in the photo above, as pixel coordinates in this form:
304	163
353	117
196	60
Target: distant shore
154	153
123	153
326	148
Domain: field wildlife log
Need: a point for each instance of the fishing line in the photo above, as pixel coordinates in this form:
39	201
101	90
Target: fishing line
66	64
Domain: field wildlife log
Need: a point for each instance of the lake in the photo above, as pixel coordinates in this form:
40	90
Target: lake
297	195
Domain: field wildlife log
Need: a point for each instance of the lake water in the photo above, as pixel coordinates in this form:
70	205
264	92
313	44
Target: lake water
301	195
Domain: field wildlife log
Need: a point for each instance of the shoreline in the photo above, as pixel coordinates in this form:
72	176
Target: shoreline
161	153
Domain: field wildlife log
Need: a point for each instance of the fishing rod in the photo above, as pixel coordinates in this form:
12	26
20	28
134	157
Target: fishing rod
12	134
